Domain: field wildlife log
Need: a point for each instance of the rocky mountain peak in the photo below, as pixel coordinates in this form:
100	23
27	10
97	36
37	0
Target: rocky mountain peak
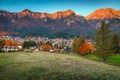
63	14
104	14
26	11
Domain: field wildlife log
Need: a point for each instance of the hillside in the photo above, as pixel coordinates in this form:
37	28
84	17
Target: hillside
51	66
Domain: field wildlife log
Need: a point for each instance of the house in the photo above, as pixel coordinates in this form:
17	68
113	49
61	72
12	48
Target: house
11	48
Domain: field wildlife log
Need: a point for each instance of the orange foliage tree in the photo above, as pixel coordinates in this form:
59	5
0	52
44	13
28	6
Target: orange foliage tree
46	47
85	48
11	43
8	42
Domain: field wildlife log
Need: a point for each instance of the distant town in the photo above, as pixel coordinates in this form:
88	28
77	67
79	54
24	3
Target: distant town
60	45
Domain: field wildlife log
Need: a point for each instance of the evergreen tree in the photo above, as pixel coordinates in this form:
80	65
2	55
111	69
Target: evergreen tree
28	44
115	43
81	41
77	42
74	45
103	37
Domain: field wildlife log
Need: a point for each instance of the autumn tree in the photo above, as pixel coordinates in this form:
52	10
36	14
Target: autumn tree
77	42
115	43
85	48
8	42
46	47
103	37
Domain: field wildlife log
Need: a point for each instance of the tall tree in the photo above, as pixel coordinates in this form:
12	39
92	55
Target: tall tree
103	36
81	41
77	42
115	43
74	45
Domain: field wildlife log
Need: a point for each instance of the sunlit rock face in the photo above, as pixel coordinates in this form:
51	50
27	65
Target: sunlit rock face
104	14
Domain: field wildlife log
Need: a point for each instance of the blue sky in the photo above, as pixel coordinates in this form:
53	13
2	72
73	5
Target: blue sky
81	7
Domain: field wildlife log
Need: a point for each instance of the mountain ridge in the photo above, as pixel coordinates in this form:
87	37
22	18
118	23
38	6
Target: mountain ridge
56	24
70	12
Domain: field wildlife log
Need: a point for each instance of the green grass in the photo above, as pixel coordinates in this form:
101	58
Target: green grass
51	66
92	57
112	59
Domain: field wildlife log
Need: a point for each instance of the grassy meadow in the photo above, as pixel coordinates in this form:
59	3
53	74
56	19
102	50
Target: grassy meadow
113	59
53	66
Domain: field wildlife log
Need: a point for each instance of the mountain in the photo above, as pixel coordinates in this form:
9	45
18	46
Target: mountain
108	15
59	24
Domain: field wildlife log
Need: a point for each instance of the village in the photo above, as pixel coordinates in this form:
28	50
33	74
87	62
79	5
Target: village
59	45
